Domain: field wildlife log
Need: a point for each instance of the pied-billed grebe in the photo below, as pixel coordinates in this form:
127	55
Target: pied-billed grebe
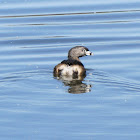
72	66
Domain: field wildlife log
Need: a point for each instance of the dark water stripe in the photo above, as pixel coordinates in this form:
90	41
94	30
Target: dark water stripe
70	40
66	14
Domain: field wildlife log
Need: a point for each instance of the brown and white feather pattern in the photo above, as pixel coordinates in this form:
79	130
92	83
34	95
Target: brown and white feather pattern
69	67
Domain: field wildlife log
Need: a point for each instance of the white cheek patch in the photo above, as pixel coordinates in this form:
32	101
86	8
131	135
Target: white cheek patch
89	53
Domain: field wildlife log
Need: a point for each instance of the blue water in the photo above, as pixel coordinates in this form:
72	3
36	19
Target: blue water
37	35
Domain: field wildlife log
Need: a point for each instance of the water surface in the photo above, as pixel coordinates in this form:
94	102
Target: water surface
35	36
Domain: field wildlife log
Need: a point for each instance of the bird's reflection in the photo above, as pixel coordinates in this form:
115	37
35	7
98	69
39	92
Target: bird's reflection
75	84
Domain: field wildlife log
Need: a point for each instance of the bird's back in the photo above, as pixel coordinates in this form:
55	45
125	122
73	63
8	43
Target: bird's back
69	67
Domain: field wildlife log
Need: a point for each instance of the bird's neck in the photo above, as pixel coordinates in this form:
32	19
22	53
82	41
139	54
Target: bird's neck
74	58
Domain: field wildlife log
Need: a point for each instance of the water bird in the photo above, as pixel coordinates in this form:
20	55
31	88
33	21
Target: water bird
72	66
